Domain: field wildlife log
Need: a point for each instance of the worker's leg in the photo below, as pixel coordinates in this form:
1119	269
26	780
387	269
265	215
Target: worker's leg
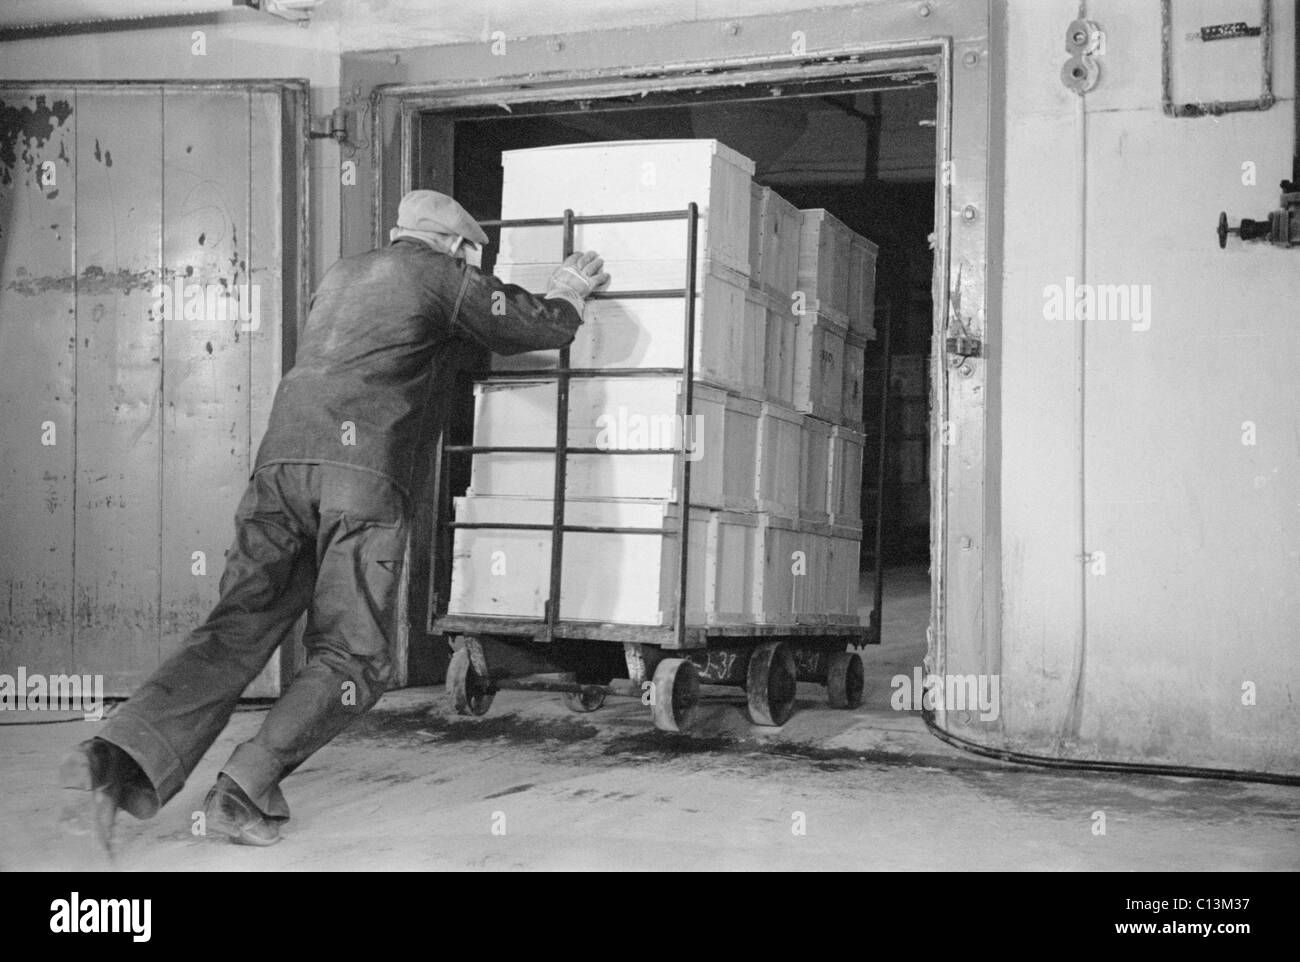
351	628
174	717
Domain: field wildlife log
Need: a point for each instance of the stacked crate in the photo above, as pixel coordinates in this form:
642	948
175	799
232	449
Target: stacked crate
776	461
610	577
819	298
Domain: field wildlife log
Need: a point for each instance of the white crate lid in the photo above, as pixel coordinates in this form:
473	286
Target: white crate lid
702	144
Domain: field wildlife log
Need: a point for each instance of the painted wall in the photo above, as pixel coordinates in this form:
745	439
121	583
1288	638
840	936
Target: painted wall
237	46
1135	443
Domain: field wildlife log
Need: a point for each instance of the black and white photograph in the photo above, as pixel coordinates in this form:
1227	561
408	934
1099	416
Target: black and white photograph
651	436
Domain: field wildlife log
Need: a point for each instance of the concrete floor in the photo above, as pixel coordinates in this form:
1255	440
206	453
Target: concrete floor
414	787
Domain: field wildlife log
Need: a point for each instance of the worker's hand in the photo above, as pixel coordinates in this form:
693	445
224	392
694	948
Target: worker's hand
580	274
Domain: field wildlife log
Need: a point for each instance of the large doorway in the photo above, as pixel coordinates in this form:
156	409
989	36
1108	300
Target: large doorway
864	148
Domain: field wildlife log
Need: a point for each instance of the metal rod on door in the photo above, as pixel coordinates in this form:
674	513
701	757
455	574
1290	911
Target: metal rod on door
563	375
882	429
687	424
561	462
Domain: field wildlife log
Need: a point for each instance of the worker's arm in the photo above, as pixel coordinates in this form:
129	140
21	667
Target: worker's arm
507	319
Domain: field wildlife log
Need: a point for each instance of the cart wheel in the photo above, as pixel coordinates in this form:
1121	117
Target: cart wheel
589	699
845	680
771	684
675	694
471	694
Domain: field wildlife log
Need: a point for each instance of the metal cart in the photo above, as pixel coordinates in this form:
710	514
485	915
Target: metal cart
663	665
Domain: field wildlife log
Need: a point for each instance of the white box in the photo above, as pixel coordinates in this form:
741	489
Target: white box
648	332
824	263
629	177
754	356
812	608
814	465
777	478
844	477
789	572
843	574
854	390
819	366
616	414
862	287
607	577
780	350
755	233
778	238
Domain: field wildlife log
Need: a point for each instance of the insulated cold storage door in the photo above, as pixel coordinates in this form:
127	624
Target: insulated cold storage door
149	271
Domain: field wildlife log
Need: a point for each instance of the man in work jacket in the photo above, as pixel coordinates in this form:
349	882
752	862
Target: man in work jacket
323	524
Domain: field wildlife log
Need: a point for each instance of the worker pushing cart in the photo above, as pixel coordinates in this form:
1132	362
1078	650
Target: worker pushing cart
323	524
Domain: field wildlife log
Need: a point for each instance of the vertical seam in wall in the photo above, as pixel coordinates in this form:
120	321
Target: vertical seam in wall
248	227
162	356
1073	718
76	390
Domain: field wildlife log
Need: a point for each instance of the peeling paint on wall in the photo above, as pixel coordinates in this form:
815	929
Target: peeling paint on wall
24	130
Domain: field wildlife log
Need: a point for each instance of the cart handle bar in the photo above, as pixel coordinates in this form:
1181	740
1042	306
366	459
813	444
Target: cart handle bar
588	219
567	528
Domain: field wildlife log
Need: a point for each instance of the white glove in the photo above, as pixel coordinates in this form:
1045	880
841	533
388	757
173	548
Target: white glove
575	279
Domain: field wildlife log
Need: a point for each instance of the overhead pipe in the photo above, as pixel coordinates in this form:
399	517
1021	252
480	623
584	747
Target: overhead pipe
49	18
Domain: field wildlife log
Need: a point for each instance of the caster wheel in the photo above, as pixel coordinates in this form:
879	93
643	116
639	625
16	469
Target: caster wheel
771	684
589	699
675	694
471	693
845	680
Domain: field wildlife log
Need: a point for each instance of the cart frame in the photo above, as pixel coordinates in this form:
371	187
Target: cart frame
718	654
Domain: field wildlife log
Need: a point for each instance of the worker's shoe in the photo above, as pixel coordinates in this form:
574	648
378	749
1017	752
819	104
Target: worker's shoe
230	812
110	780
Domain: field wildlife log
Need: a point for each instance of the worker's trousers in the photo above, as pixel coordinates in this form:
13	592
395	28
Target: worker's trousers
322	538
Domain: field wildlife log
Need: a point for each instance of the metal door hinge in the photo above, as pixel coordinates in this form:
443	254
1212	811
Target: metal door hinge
965	345
333	125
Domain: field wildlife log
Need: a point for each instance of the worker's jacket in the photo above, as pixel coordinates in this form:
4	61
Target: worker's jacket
365	387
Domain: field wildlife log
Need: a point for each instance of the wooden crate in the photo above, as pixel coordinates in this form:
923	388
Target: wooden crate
754	357
862	287
819	366
755	233
789	572
608	577
623	177
617	413
852	396
777	476
778	237
647	332
843	574
824	263
780	348
844	477
814	465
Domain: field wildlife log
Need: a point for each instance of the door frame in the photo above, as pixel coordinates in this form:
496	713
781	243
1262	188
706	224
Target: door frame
954	41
